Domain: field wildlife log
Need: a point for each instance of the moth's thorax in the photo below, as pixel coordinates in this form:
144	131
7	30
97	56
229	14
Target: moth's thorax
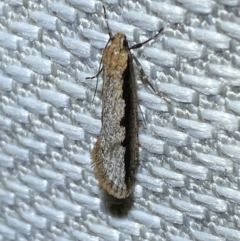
115	57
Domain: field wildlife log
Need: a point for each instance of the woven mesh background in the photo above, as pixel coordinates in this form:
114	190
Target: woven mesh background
188	181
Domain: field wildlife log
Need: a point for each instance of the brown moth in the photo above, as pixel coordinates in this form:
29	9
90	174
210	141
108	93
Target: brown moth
115	153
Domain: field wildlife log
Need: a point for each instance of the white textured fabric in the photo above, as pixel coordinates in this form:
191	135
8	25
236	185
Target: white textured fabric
188	181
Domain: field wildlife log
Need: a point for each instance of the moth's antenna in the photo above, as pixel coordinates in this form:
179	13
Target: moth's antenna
139	45
106	19
100	69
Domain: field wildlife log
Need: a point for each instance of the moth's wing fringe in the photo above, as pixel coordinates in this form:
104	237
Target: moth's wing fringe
117	207
100	174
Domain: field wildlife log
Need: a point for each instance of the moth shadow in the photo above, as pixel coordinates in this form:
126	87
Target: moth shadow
115	206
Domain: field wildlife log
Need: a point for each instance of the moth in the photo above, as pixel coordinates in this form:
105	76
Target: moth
116	151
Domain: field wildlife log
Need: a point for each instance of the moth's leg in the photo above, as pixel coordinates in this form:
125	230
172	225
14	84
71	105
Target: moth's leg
96	76
143	76
144	120
145	80
139	45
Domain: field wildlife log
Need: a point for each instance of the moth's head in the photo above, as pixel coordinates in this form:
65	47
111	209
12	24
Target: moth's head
120	39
